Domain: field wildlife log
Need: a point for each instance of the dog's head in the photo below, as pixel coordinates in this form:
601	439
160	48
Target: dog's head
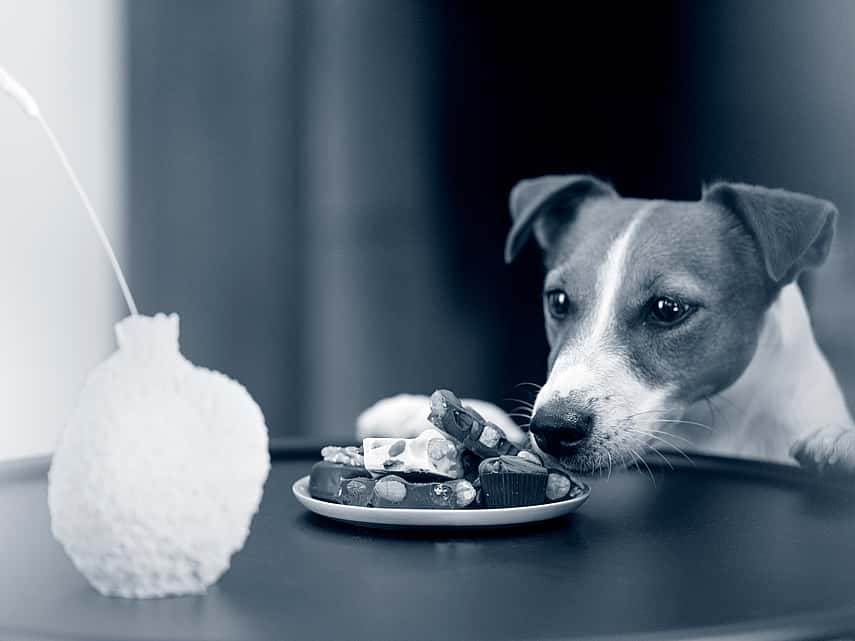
651	306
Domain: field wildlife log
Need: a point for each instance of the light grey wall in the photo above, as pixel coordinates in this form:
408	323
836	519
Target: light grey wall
58	296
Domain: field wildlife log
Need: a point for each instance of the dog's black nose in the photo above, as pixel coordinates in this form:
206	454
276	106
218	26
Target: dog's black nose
559	430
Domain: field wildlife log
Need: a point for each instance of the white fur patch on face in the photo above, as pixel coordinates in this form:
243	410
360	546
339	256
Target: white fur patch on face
610	277
592	373
627	411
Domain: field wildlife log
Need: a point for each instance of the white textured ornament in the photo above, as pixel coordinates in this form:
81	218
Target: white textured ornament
159	470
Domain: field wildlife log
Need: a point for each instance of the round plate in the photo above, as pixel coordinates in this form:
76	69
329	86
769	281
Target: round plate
419	518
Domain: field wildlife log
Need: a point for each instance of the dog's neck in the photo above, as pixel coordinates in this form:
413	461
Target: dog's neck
787	391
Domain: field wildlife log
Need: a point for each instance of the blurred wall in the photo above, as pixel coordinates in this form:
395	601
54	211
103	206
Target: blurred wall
58	298
320	190
320	187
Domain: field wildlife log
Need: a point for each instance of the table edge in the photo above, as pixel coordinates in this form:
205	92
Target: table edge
813	626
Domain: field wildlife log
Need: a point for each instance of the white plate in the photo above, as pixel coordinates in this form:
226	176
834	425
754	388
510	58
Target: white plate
410	517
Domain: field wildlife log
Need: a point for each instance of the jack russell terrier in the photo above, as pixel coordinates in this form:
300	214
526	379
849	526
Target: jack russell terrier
671	324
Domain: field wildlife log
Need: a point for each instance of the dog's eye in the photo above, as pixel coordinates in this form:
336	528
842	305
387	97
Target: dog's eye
558	303
665	310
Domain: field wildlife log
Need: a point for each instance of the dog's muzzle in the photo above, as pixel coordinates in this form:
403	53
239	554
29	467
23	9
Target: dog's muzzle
559	431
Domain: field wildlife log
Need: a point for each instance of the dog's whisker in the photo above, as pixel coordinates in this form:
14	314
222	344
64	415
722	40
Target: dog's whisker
662	456
518	415
639	458
520	401
653	433
674	420
643	444
534	385
521	407
629	416
682	438
609	478
735	409
626	460
711	408
730	402
675	448
663	440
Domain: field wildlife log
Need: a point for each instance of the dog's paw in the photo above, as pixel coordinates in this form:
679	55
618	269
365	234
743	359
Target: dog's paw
827	451
406	416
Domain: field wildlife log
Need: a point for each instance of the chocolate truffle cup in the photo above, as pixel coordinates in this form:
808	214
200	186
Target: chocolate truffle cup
511	481
512	489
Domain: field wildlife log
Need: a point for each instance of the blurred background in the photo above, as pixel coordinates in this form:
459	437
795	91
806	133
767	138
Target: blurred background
319	187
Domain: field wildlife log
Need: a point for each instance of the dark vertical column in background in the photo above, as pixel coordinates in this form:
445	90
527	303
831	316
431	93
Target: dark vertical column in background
381	317
213	138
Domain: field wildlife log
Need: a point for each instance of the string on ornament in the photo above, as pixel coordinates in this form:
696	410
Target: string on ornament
24	98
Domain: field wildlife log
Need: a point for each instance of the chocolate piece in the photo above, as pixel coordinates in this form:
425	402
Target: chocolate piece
355	491
515	464
530	456
468	427
470	462
511	481
431	452
350	455
558	486
394	492
326	477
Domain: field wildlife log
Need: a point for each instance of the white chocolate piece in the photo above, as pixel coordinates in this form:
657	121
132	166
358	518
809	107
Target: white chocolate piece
431	452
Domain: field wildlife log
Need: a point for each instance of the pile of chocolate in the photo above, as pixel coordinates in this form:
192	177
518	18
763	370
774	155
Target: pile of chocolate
464	461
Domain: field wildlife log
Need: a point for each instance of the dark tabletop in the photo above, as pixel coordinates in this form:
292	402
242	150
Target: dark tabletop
717	549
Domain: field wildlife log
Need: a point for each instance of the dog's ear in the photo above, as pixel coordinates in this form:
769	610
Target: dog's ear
793	231
535	200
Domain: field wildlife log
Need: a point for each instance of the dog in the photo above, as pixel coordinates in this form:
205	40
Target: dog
674	324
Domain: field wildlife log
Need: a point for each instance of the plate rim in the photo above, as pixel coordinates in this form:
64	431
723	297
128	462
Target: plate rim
426	518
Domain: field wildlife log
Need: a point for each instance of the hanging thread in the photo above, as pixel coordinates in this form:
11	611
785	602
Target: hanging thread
23	97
